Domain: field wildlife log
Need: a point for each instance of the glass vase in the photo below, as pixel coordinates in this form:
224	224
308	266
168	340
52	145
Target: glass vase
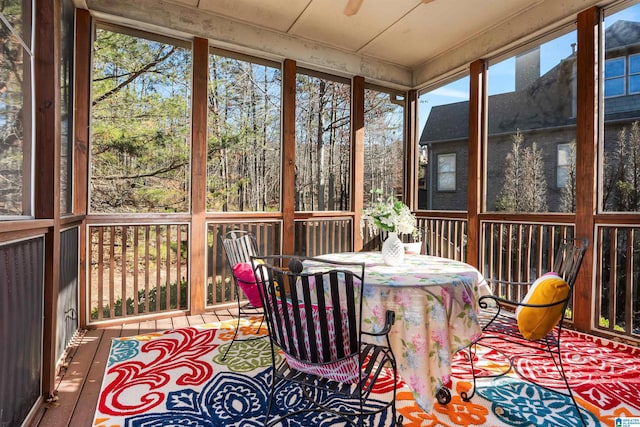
393	250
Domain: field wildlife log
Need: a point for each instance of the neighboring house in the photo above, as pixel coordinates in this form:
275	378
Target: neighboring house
543	108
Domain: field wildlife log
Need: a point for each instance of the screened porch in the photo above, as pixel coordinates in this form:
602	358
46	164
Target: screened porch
133	140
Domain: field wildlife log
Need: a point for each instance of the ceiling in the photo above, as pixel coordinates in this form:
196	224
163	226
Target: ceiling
402	42
403	32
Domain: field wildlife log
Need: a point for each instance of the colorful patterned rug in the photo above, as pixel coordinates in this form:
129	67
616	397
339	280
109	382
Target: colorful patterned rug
178	378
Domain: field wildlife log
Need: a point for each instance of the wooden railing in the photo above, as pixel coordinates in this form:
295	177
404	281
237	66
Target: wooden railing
617	296
320	236
137	269
440	236
445	237
220	289
519	251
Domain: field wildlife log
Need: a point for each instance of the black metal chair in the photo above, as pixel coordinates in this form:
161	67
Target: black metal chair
313	313
530	321
239	247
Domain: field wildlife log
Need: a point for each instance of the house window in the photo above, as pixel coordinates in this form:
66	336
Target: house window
614	72
634	73
564	157
447	172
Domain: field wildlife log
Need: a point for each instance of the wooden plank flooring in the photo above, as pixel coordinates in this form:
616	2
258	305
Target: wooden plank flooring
79	381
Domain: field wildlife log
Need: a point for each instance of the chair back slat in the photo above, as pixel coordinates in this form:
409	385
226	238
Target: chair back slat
337	318
239	246
355	312
282	317
308	304
321	304
313	315
300	350
568	259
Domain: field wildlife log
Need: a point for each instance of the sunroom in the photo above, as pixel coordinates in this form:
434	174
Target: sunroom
135	134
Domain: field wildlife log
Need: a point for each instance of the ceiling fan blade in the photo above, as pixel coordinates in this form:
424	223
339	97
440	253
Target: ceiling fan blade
352	7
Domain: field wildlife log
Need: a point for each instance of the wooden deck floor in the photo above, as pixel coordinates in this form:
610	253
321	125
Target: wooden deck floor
79	382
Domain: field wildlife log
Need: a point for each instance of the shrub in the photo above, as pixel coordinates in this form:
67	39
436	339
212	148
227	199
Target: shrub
140	301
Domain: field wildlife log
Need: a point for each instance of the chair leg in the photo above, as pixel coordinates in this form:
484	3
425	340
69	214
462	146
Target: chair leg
398	421
464	395
273	384
260	325
271	393
560	369
235	333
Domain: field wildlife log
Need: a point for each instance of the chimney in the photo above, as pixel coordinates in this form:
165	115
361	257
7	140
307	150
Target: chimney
527	68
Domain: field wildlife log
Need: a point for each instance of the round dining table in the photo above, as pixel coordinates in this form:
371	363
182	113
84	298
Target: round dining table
435	302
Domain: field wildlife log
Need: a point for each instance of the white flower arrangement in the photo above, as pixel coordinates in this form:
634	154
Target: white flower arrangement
388	215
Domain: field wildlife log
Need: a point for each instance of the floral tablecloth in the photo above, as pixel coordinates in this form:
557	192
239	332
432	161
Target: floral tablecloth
435	301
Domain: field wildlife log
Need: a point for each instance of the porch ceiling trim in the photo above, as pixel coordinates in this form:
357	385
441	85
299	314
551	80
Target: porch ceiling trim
174	19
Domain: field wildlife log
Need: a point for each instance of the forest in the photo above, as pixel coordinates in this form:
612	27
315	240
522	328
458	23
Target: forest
140	142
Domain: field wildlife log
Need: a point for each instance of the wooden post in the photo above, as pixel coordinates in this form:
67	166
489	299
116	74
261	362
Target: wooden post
411	150
477	128
81	144
357	157
197	239
47	164
586	154
288	155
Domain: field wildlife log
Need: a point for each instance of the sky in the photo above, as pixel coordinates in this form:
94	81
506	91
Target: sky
501	75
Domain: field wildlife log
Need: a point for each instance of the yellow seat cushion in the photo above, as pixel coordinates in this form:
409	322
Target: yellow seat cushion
536	322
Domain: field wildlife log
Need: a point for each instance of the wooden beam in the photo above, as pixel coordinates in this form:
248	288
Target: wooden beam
47	164
81	90
288	155
477	128
586	154
198	235
357	157
411	150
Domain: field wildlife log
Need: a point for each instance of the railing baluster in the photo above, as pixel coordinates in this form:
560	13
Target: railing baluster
100	272
628	314
599	276
519	255
539	252
112	268
613	278
158	266
147	271
123	266
135	270
167	279
491	252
